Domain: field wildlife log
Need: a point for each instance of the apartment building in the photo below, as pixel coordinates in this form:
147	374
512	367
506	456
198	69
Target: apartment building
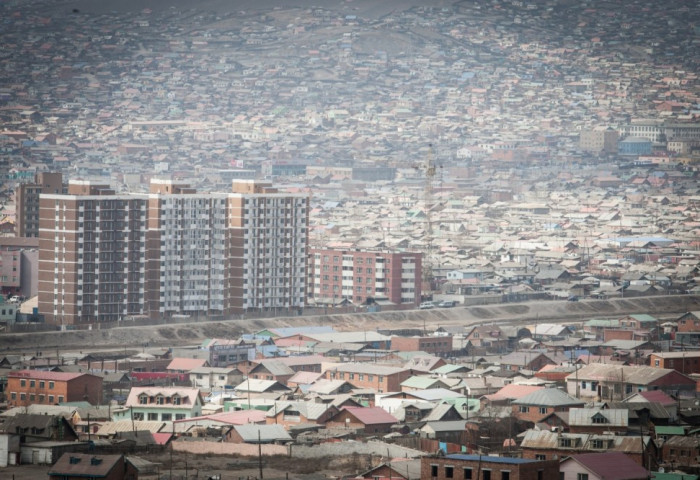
268	248
92	255
104	256
357	275
27	201
599	139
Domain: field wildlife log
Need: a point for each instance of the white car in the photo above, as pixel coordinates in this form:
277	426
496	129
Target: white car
426	305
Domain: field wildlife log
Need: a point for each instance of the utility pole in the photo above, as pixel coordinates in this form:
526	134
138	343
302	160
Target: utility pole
260	465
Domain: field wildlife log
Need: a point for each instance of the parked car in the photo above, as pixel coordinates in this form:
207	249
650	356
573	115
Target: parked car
15	299
426	305
447	304
573	298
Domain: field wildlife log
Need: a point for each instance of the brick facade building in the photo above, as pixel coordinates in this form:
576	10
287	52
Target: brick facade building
478	467
27	387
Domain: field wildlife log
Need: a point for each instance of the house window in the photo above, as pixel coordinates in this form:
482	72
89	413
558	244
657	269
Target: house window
565	442
505	474
42	384
13	395
433	471
581	476
449	472
540	457
32	383
467	474
486	475
583	385
60	399
50	385
543	410
138	416
22	383
179	416
657	363
523	409
166	417
143	399
153	416
598	444
51	398
22	397
42	398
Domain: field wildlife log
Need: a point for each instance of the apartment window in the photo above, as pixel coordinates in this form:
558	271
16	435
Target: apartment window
60	399
467	474
166	417
22	383
51	385
22	397
179	416
138	416
433	471
13	395
32	397
51	399
42	398
449	472
42	384
153	416
486	475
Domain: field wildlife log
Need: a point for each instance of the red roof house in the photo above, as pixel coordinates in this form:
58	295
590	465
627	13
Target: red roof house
369	419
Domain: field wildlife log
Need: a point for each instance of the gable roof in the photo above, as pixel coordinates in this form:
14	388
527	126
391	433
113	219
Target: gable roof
548	397
87	465
583	417
190	396
254	433
186	364
610	465
513	392
370	415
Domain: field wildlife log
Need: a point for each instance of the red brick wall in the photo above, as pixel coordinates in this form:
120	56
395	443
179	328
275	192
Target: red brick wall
523	471
610	334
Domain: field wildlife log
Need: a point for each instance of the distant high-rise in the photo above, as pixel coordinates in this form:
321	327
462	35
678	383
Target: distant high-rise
599	140
27	201
173	251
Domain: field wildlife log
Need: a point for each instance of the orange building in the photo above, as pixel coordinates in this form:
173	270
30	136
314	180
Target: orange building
27	387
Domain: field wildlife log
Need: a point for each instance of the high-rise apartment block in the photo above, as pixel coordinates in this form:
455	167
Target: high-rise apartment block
27	201
357	275
173	251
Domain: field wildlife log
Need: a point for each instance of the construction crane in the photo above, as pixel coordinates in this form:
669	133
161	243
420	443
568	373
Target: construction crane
428	170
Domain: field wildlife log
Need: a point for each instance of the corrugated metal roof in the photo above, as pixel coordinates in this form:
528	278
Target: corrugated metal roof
614	417
87	465
252	433
111	428
610	465
371	415
447	426
549	397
